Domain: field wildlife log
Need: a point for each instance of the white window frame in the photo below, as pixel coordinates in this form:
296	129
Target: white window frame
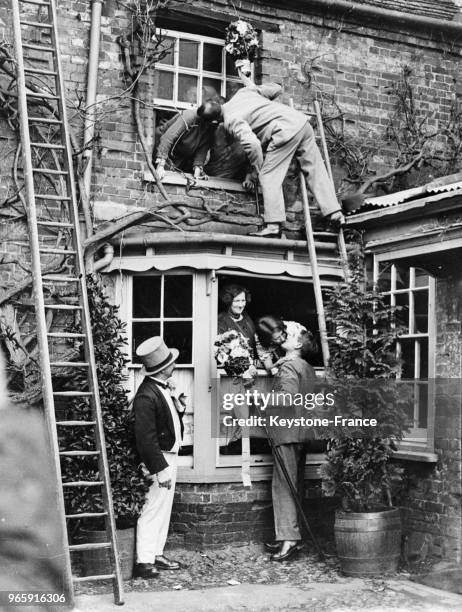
417	438
198	72
161	319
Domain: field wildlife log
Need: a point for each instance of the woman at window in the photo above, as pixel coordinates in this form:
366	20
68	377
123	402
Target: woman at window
235	298
186	139
271	334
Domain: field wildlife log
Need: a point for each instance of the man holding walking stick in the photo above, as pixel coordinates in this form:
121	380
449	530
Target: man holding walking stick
294	377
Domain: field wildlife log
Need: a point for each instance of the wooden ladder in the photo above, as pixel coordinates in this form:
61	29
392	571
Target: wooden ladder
311	239
53	223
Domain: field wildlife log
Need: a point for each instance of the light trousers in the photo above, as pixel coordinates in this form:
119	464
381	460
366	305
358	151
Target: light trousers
286	525
154	520
276	164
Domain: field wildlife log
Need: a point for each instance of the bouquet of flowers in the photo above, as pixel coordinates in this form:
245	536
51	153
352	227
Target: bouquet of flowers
242	43
232	353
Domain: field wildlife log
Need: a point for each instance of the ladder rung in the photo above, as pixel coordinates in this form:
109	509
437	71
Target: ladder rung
40	71
45	120
58	198
85	515
46	96
65	335
50	171
55	224
37	24
78	453
84	483
60	279
69	364
46	145
58	251
36	2
92	546
62	307
76	423
91	578
74	394
38	47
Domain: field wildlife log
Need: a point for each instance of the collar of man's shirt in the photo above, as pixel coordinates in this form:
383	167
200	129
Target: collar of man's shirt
161	383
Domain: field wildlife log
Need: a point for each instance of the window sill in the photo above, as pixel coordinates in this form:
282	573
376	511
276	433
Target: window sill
175	178
422	456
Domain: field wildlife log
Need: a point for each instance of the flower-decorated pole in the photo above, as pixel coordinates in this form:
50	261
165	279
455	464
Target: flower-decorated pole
242	44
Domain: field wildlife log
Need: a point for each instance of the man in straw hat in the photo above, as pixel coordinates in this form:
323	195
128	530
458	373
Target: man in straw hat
158	432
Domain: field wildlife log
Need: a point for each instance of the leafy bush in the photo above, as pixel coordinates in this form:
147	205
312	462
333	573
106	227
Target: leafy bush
358	467
128	486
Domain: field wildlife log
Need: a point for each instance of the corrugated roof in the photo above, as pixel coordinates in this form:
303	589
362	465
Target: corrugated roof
452	182
439	9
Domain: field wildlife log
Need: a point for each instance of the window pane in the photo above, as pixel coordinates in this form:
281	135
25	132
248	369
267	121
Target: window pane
178	296
230	67
212	58
163	84
384	277
146	297
402	277
407	357
188	54
168	46
211	88
231	88
422	406
187	88
178	334
421	278
141	332
421	312
402	310
423	343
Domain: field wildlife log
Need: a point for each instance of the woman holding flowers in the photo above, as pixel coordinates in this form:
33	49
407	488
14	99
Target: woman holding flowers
235	298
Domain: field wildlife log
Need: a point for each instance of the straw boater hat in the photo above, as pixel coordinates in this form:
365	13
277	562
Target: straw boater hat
155	355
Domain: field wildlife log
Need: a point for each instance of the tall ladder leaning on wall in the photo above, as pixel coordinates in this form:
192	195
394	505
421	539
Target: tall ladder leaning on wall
53	219
310	236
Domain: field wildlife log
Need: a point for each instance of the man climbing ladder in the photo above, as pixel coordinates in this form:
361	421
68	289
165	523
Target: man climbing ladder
259	123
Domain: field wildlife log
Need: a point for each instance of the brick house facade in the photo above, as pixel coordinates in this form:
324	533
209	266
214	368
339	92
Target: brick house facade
350	56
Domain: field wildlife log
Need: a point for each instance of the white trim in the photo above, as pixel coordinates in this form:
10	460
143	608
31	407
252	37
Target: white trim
198	72
204	261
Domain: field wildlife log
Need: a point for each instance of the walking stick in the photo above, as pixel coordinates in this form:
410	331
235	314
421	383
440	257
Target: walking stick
294	493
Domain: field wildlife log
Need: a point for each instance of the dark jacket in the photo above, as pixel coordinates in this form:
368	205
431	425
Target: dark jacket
294	377
154	429
185	140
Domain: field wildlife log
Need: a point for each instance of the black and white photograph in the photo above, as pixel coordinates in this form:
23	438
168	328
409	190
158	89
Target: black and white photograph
231	305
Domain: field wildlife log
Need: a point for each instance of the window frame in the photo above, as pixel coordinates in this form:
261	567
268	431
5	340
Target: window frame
174	68
161	319
413	441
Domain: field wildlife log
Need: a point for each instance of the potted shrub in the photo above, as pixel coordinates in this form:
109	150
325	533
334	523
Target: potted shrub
128	485
359	469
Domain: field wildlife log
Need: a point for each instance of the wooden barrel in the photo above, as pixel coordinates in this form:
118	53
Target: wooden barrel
368	543
97	562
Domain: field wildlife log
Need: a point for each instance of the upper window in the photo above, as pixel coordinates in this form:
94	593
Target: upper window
194	68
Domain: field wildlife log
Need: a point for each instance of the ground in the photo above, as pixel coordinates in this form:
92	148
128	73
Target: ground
244	578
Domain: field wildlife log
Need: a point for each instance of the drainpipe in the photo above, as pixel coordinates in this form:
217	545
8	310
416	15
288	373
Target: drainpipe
106	260
354	10
90	114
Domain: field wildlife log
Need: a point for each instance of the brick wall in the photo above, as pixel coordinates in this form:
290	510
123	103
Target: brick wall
209	515
346	65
